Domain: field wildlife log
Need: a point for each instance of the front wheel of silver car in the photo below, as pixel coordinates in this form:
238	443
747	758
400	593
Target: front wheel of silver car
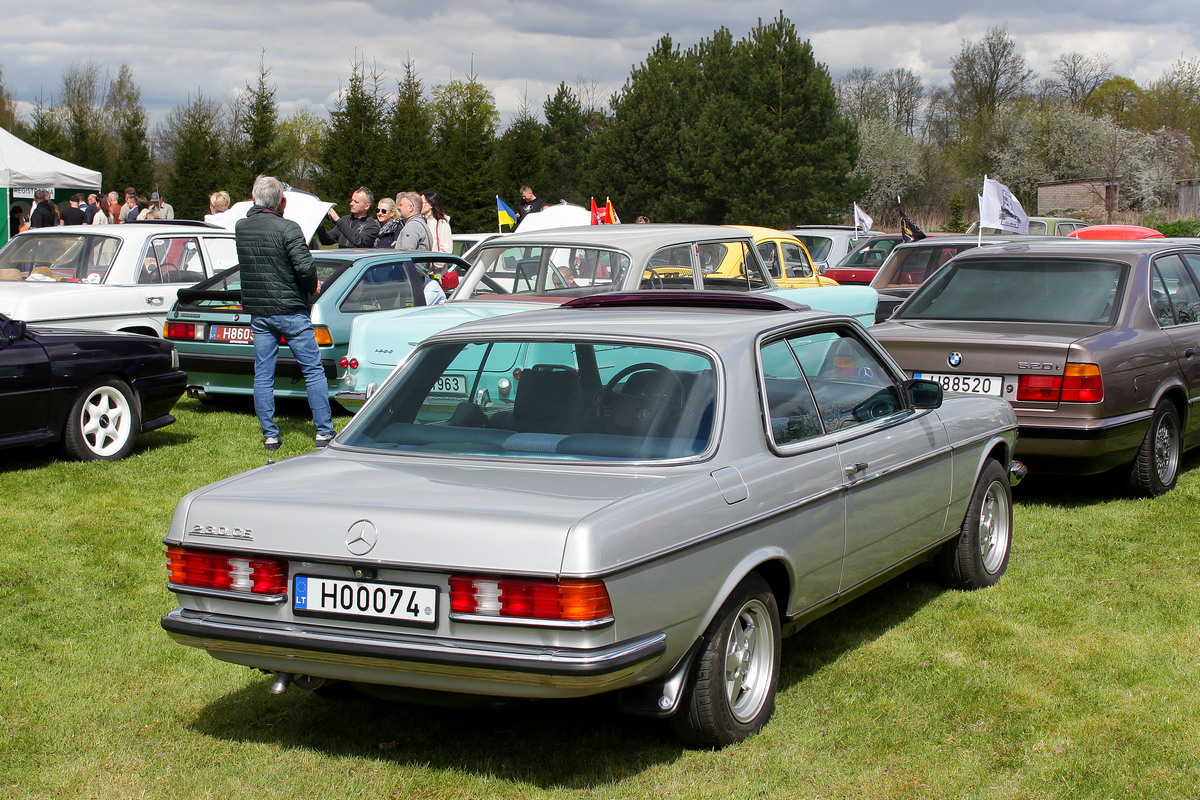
1156	467
730	690
978	556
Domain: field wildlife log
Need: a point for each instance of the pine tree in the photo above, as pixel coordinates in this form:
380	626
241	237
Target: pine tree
130	160
630	156
352	156
465	136
198	167
566	134
521	156
45	131
260	150
409	164
797	153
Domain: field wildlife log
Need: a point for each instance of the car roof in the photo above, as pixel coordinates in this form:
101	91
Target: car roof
1125	249
964	238
709	318
134	230
640	241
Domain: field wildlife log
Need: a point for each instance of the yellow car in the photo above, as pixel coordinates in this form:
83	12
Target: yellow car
787	259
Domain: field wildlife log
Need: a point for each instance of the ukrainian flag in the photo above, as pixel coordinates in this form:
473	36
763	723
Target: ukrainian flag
504	214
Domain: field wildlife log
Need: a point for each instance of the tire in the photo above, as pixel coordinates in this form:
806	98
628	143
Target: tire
1156	467
103	422
730	689
978	556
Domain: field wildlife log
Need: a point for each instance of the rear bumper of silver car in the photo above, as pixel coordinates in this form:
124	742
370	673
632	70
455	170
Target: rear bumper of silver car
418	661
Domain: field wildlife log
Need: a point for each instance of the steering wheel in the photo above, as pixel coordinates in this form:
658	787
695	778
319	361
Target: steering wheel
641	412
656	282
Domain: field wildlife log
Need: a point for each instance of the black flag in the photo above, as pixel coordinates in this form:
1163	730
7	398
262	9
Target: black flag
908	229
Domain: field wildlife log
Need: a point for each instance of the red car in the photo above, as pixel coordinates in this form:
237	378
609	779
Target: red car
1128	232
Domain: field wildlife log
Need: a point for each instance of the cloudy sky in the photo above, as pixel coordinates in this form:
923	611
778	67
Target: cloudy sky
522	49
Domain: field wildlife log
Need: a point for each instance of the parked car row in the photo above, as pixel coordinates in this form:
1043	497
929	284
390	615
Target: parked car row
627	459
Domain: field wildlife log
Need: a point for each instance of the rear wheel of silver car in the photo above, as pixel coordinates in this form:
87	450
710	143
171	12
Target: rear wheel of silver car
978	556
103	422
730	690
1156	467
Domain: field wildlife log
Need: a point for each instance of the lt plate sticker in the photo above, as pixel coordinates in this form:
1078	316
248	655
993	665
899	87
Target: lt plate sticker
381	602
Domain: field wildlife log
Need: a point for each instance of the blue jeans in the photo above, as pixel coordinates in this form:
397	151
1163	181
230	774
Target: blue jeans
298	330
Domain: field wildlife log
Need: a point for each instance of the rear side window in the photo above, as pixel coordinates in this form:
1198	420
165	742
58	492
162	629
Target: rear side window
1021	290
824	381
818	246
382	287
1173	293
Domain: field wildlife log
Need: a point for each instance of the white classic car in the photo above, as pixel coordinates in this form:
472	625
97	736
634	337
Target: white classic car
108	277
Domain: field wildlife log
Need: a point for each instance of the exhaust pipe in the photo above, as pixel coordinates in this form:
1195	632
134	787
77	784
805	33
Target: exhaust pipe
196	392
282	681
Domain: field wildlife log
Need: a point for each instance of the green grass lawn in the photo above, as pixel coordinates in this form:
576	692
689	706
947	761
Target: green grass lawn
1074	677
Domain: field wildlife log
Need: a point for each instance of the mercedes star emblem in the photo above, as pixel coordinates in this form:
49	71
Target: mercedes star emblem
361	537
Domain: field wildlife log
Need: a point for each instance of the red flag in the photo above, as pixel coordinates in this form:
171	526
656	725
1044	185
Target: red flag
595	213
613	219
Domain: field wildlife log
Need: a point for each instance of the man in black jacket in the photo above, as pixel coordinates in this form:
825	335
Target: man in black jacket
43	214
359	229
278	275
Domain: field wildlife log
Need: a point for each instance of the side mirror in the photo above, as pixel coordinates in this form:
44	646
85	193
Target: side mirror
923	393
12	329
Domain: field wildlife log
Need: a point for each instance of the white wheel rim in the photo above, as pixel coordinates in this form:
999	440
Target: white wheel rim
749	661
106	421
994	530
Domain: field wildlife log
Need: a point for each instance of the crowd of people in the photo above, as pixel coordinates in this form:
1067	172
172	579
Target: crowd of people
412	221
97	209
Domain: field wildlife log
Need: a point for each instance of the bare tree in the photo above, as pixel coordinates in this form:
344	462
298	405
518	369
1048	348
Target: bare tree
902	91
987	74
1079	75
860	95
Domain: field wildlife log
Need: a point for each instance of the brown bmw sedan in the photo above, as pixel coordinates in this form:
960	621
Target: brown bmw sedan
1094	343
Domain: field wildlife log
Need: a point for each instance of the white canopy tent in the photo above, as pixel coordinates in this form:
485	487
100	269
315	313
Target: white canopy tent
24	167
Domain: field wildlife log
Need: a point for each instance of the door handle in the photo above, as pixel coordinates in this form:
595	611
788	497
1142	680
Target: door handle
855	469
154	301
1189	352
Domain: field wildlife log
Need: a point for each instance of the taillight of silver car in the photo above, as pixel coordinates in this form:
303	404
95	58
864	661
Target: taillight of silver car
513	599
200	569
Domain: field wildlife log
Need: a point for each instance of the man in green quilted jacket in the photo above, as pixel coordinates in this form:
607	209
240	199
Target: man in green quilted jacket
278	276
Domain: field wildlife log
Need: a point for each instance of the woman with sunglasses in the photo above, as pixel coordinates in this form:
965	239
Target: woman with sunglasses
389	223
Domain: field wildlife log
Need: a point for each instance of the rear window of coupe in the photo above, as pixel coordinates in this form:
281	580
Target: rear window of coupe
1063	290
544	399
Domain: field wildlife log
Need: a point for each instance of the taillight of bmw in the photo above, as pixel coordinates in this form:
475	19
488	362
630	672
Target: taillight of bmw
519	599
203	570
1079	383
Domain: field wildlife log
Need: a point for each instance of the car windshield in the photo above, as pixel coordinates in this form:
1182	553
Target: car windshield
818	246
1021	290
871	253
577	399
81	257
542	269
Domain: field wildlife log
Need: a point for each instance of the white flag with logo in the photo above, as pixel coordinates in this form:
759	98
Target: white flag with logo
862	219
999	208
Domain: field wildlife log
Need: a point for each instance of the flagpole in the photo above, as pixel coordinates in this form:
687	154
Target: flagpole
979	200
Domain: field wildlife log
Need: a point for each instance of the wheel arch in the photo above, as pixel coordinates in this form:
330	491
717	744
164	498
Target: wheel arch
142	330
